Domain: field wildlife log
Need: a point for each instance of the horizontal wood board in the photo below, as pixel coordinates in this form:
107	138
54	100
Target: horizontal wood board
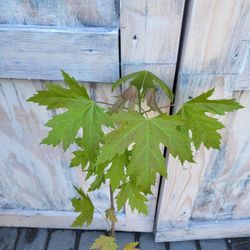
32	52
60	12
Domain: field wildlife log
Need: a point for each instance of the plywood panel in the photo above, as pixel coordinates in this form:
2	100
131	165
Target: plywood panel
60	12
31	52
34	176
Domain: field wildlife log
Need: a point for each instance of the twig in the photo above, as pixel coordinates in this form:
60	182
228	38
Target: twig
167	106
112	206
103	217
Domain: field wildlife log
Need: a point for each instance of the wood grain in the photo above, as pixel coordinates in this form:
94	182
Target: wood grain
207	230
60	12
216	42
225	189
214	54
64	219
31	52
146	44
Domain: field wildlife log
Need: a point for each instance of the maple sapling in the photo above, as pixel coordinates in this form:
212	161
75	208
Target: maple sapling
128	157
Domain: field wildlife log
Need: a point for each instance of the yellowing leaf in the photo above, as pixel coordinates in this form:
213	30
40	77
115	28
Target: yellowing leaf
110	215
104	243
131	246
85	207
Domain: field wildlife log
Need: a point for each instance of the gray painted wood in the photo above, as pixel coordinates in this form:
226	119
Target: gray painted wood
147	243
182	245
60	12
8	237
31	52
88	238
62	239
213	244
32	238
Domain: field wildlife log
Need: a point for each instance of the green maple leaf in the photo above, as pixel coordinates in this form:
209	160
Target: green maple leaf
205	128
104	243
85	207
131	246
147	134
80	158
58	97
116	173
82	113
130	192
145	80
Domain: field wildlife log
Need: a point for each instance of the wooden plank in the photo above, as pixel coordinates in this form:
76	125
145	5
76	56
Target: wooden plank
243	81
181	245
60	12
179	191
62	239
32	238
31	52
8	238
226	183
150	31
213	244
206	230
64	219
215	43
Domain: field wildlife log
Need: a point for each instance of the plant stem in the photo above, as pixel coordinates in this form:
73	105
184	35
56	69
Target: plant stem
103	217
112	206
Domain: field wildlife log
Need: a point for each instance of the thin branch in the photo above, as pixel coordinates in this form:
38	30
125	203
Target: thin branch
149	110
112	206
103	217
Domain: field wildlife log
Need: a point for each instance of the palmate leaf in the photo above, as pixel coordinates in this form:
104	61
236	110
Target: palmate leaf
104	243
85	207
136	199
147	134
205	128
145	80
58	97
82	113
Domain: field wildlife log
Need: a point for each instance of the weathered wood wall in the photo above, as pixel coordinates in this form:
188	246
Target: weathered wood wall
215	53
35	181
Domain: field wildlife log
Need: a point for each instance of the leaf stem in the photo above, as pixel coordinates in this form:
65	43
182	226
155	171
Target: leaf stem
167	106
112	206
103	217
